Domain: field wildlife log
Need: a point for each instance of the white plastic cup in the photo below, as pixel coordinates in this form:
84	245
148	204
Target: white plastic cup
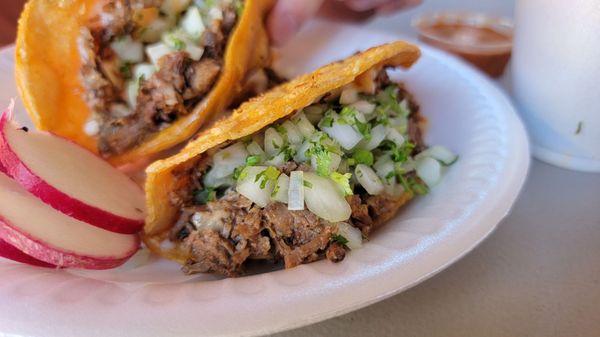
556	79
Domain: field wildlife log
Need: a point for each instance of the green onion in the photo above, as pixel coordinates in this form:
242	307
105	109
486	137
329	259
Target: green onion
202	197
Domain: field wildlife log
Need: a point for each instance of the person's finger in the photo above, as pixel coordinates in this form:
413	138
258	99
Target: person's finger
337	10
287	17
364	5
397	5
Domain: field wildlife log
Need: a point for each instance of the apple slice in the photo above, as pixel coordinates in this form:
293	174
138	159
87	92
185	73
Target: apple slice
46	234
9	252
70	178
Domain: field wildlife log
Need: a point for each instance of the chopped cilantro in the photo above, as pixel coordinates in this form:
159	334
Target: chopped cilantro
337	238
412	184
125	70
348	115
307	183
390	175
175	42
239	173
387	101
288	152
361	156
322	158
203	196
271	173
327	120
275	145
419	188
398	153
281	129
239	8
343	180
252	160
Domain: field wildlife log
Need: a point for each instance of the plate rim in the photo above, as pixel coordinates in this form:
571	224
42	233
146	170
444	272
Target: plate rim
494	216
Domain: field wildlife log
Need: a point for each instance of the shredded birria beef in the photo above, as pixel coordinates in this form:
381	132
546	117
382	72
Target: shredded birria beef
223	230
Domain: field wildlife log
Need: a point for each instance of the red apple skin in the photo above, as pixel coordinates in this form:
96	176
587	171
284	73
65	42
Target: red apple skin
8	251
41	251
12	166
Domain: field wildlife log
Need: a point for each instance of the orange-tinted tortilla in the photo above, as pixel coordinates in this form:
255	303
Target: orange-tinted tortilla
48	72
249	118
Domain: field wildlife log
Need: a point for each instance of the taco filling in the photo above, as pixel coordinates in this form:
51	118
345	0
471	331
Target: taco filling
310	186
145	63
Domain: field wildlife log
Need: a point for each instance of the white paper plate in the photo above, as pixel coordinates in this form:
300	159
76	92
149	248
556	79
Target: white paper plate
467	113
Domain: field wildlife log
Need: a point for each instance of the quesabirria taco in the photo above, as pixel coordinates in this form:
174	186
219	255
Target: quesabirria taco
301	173
130	78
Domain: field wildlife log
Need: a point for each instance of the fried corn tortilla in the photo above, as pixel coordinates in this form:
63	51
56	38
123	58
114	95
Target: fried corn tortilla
166	177
50	60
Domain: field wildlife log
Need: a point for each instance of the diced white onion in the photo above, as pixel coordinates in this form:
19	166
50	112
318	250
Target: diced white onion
304	126
440	153
226	160
248	187
300	155
368	179
408	166
156	51
352	234
349	95
377	136
132	88
120	110
399	123
343	167
325	199
282	188
145	70
128	50
273	141
210	180
344	134
192	23
314	113
394	189
215	14
254	149
404	106
91	128
174	7
194	51
277	160
209	220
429	170
292	133
335	162
153	32
395	136
383	166
296	191
364	107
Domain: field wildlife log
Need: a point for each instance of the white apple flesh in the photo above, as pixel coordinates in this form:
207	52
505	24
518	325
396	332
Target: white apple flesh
9	252
48	235
70	178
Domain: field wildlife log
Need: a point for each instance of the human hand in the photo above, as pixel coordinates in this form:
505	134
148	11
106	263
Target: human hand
288	15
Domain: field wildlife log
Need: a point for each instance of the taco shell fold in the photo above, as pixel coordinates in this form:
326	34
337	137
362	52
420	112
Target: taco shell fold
48	72
165	176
